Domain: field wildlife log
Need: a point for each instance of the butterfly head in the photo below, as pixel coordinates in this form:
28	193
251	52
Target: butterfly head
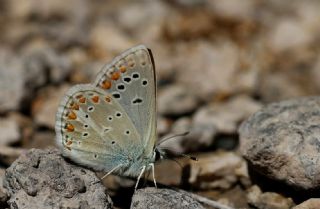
158	154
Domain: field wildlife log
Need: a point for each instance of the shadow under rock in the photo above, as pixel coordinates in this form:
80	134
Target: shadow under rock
269	185
123	197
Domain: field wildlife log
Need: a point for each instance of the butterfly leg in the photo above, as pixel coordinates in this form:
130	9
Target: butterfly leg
113	169
154	179
142	171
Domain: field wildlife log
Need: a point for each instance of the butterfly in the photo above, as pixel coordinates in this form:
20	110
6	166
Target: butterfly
110	124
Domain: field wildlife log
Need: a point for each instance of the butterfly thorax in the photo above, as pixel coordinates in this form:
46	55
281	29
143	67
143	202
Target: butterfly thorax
134	165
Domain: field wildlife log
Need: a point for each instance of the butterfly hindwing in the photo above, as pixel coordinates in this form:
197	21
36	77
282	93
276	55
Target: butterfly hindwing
130	79
94	130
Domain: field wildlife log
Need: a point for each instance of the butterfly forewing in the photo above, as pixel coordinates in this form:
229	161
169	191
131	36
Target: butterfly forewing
130	79
94	129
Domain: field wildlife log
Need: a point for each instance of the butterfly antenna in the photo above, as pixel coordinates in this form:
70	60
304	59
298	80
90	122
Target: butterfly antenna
180	154
190	157
176	161
170	137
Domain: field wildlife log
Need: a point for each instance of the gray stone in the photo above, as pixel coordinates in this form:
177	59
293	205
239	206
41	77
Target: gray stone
312	203
232	9
268	200
40	61
10	154
162	199
219	170
176	100
9	129
146	26
208	70
179	144
281	141
43	179
226	116
11	81
46	104
209	121
3	193
73	21
108	39
281	38
87	72
21	75
163	125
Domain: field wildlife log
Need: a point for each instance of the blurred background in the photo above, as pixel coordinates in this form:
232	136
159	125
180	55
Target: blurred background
217	62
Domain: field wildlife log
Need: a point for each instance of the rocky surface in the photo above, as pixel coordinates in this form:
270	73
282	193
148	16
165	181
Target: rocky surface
11	81
220	171
312	203
43	179
170	97
46	103
217	62
268	200
3	192
282	142
163	199
9	129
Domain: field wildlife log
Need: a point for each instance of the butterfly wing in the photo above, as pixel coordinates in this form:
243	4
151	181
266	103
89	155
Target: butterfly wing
94	130
130	79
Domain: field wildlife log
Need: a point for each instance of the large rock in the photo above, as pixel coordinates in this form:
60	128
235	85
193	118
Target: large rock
163	199
9	129
267	200
43	179
220	170
3	193
281	141
312	203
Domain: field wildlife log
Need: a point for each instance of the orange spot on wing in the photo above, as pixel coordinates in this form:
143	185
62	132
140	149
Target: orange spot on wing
69	127
108	99
69	143
131	63
74	106
72	115
106	84
95	99
115	76
123	69
82	100
79	96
